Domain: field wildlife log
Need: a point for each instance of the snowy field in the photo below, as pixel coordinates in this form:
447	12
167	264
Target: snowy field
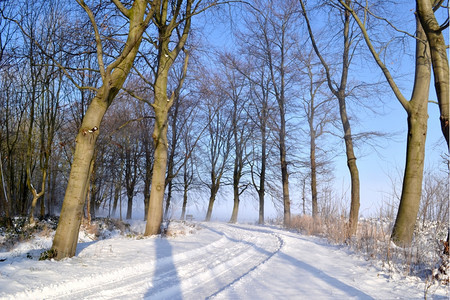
206	261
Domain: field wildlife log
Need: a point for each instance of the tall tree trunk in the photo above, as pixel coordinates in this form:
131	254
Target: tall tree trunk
66	236
161	105
439	62
155	209
114	75
262	175
351	158
417	110
402	233
284	177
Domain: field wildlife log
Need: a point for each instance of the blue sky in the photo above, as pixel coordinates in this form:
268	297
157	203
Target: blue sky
377	168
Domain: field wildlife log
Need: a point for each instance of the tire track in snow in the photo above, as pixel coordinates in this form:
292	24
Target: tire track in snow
214	272
198	273
265	249
124	279
280	242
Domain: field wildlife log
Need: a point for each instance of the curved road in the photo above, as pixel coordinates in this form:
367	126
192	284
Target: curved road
219	261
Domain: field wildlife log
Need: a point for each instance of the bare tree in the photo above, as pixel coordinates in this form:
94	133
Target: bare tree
173	24
319	114
218	141
177	124
113	76
234	86
274	25
339	89
416	109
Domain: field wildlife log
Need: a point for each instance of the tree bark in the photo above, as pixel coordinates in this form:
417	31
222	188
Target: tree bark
155	209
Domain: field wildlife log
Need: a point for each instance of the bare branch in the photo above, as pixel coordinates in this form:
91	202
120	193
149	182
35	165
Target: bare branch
98	41
119	5
404	102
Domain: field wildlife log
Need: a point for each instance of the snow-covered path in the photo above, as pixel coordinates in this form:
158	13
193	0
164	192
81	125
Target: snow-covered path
220	261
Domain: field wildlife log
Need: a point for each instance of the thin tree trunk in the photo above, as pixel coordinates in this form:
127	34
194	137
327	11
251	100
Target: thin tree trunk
313	168
212	198
304	196
117	191
234	214
340	94
148	177
185	199
168	200
262	175
285	180
352	167
129	206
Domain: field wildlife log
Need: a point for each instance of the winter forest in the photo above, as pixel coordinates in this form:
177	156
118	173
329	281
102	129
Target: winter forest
121	108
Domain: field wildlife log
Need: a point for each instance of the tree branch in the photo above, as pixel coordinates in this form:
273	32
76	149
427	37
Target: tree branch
403	101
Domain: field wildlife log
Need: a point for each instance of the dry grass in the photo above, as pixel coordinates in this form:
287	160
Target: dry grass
424	258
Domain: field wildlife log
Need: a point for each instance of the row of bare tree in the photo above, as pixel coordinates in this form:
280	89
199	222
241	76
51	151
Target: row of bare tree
155	113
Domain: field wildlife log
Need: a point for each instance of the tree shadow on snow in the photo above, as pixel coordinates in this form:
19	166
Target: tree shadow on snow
84	245
165	280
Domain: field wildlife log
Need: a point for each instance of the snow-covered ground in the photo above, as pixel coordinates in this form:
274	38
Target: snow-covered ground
209	261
